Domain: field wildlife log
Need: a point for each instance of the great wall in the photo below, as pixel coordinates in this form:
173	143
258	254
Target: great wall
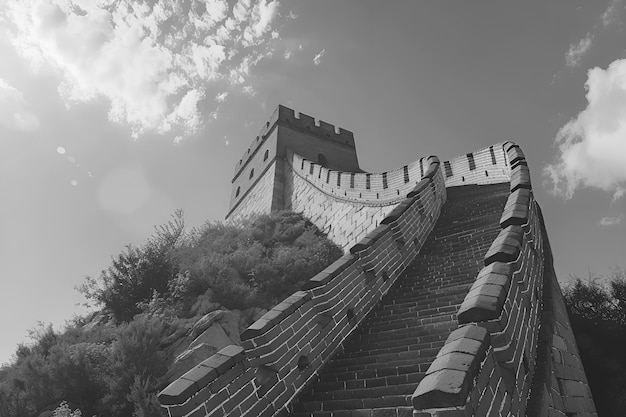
445	303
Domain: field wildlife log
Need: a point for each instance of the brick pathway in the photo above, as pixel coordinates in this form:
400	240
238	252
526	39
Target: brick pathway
386	357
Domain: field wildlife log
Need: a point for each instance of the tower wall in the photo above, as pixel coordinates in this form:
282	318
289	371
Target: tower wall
315	140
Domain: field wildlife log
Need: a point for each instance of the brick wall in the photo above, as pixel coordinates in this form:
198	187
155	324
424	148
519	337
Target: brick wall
285	348
486	166
560	387
345	205
488	365
261	194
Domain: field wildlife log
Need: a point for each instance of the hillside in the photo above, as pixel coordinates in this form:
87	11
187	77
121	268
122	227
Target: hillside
160	309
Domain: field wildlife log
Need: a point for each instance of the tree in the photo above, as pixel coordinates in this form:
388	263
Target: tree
597	311
138	272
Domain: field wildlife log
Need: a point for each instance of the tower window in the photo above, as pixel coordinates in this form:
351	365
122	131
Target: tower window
266	155
251	173
237	192
472	163
321	159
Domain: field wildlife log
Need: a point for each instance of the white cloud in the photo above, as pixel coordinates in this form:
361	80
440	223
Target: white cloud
576	51
153	62
14	111
592	147
287	55
249	90
611	14
318	58
611	221
263	15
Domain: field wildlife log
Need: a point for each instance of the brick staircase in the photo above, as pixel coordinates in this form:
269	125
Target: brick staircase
385	358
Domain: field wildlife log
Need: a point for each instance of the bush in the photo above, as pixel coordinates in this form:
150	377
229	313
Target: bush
258	263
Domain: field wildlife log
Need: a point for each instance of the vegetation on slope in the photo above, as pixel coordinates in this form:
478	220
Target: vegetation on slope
597	311
152	294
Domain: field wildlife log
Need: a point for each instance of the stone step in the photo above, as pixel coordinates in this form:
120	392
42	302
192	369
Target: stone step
349	364
388	411
404	347
369	371
430	340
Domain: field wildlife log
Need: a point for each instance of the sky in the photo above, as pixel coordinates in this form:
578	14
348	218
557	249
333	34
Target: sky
115	113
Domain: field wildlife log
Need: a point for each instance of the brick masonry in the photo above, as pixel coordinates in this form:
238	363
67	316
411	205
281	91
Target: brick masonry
524	360
477	342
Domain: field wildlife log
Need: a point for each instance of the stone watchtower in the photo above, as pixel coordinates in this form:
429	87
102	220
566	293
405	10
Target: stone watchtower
259	178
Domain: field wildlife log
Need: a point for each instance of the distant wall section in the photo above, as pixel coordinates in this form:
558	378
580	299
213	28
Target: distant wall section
347	205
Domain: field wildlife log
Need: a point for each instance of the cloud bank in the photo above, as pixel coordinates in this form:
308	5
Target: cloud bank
14	111
592	146
154	62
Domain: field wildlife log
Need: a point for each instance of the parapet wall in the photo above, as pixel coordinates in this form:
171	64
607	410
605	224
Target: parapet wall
286	347
488	365
486	166
347	205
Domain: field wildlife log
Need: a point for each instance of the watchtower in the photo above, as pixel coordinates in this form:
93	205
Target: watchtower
258	184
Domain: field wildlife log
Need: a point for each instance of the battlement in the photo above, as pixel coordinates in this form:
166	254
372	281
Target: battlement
368	189
288	118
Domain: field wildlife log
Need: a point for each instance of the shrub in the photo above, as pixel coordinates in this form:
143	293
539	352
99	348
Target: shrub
259	263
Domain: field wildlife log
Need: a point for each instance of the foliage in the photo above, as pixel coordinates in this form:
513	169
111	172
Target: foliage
64	410
597	310
151	292
137	272
257	263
